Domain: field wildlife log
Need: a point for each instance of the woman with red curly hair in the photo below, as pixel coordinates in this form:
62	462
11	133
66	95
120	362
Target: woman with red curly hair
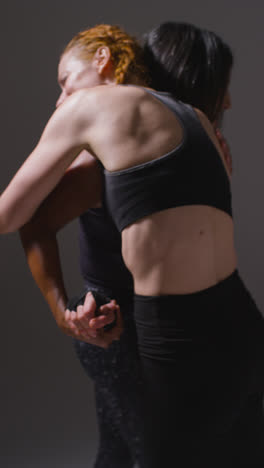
101	55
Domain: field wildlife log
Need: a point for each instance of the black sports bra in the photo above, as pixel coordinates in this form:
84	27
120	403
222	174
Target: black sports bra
191	174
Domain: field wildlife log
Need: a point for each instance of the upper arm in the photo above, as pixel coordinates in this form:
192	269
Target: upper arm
61	142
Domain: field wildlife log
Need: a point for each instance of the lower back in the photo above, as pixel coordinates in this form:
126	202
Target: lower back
180	250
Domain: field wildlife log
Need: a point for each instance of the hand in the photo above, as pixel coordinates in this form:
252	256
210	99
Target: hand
105	338
84	325
225	148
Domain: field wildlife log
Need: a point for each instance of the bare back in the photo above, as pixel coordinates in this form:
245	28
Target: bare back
178	250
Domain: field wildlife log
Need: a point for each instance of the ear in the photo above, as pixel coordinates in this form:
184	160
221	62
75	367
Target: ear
102	61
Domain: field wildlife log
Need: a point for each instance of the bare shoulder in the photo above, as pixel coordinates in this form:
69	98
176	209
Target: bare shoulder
106	98
202	117
205	122
111	107
119	90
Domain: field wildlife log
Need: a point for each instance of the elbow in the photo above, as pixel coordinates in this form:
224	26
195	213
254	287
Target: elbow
11	219
29	233
34	233
6	225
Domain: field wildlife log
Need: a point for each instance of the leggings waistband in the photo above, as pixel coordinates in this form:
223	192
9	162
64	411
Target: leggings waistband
216	289
222	313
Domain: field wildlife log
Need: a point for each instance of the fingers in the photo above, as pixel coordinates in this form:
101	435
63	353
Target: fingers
79	320
83	314
105	338
87	311
69	328
107	315
78	327
68	316
89	305
84	325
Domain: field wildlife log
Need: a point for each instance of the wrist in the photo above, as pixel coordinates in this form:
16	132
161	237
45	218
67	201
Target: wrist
57	304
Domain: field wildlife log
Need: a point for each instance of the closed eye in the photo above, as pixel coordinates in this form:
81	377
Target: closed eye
62	81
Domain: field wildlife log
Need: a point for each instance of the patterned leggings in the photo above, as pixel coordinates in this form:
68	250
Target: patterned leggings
115	372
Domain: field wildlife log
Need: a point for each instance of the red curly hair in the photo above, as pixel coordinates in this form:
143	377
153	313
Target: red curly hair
126	53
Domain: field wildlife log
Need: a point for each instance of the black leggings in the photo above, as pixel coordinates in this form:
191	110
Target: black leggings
202	361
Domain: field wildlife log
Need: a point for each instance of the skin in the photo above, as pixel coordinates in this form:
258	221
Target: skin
73	76
83	178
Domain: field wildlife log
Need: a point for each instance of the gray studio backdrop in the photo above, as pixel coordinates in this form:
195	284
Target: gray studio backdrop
47	415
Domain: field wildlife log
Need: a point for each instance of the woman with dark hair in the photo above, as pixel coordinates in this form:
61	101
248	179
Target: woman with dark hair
177	235
191	63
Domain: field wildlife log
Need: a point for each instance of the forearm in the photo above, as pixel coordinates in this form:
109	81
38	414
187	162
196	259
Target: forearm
42	254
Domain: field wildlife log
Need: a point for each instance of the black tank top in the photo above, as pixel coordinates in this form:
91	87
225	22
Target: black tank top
191	174
100	254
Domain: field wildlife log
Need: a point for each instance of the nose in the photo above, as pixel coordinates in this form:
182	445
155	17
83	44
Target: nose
227	103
